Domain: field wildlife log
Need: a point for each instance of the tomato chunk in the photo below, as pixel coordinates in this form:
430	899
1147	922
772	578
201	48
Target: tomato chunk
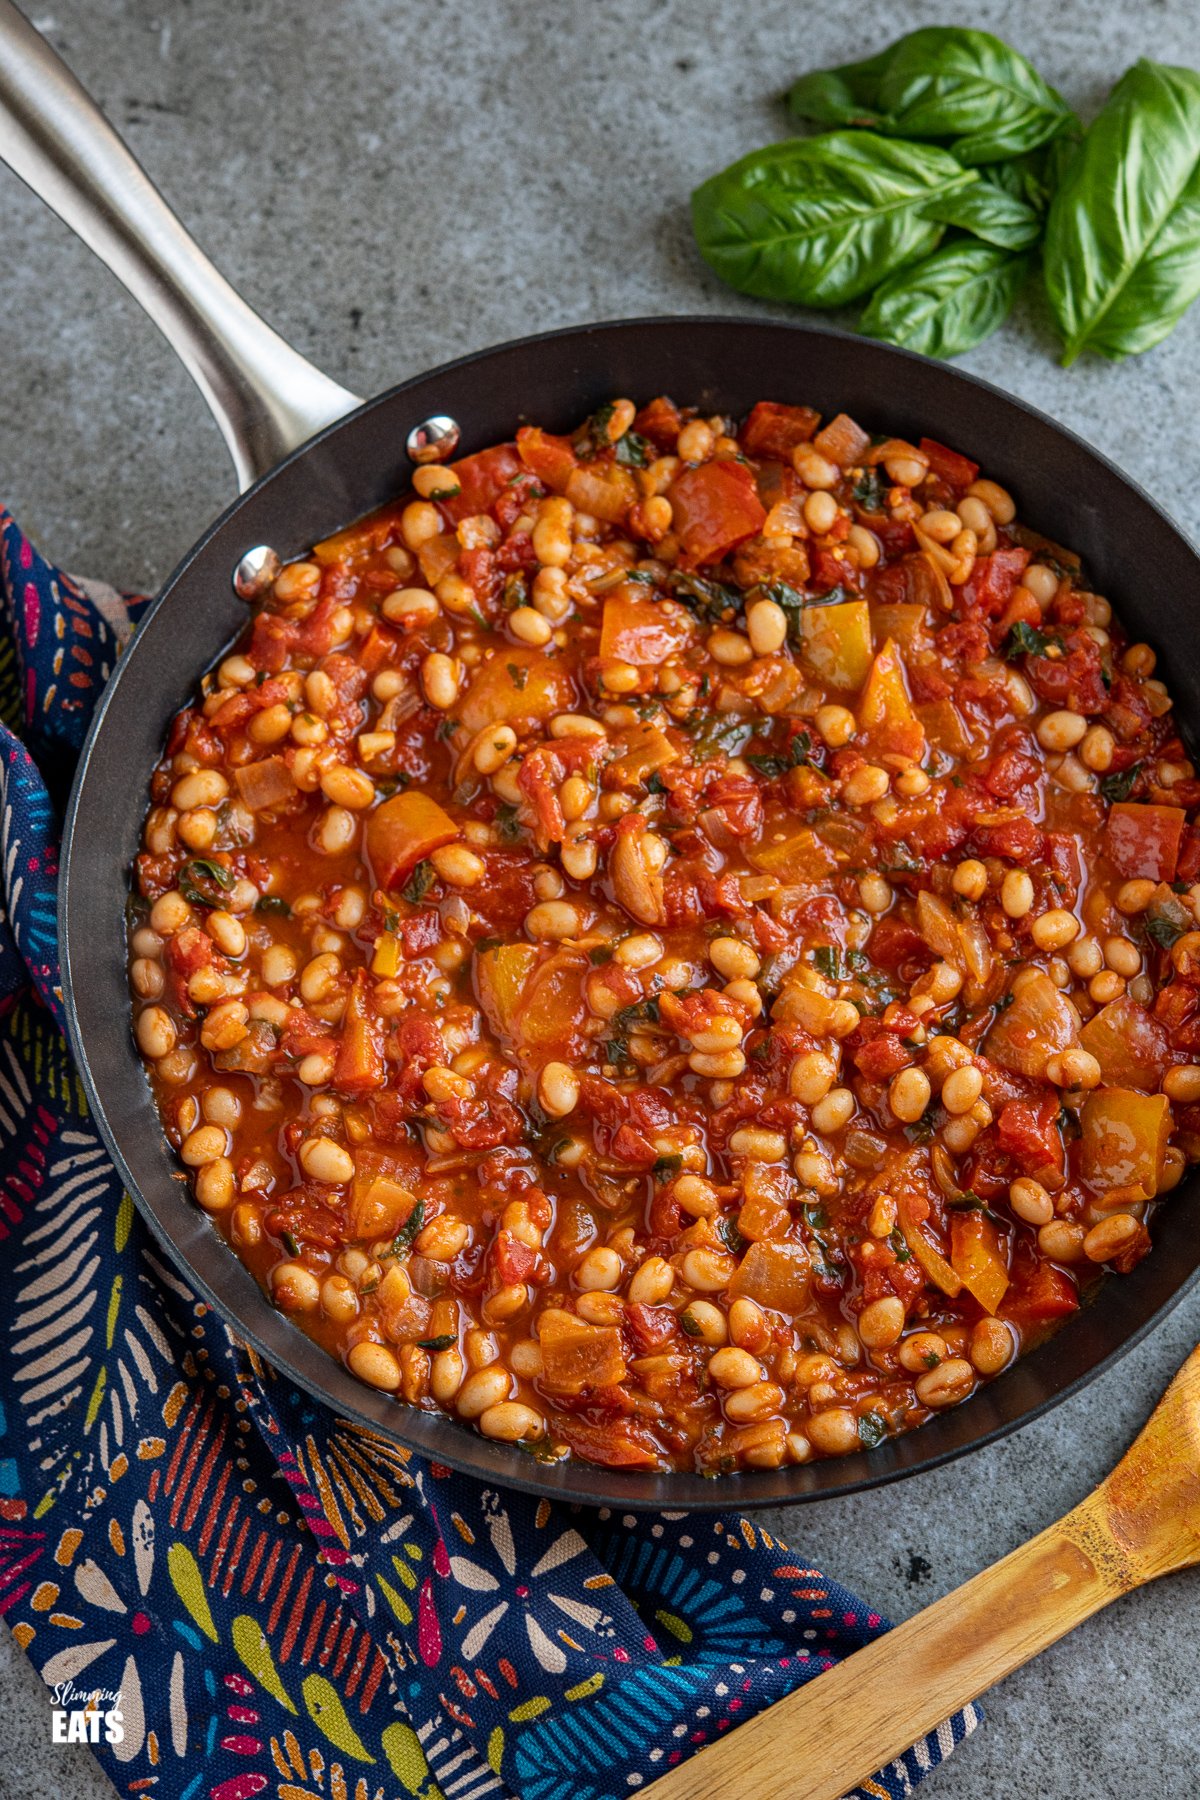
956	471
552	459
1142	842
715	508
774	430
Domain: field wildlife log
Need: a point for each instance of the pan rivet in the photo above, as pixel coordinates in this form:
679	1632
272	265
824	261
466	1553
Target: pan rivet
255	572
433	440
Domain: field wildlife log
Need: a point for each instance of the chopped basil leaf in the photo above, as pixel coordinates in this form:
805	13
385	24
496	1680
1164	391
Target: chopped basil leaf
437	1343
1164	931
1120	785
710	600
871	492
597	427
826	961
721	734
689	1326
667	1167
518	675
899	1247
799	751
872	1429
1026	640
273	903
507	823
289	1243
633	450
921	1130
419	883
729	1234
199	869
408	1231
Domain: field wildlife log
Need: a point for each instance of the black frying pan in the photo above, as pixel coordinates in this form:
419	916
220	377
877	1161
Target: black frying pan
268	400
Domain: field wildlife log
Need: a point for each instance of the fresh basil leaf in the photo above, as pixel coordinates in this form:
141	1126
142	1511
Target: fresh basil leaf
988	212
1034	177
820	221
949	302
273	903
437	1343
1122	253
944	81
841	96
947	81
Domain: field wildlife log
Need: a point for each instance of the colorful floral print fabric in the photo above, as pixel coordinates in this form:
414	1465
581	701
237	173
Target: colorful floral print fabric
290	1604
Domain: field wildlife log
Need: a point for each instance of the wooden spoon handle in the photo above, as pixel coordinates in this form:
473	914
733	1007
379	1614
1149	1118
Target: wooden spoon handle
841	1727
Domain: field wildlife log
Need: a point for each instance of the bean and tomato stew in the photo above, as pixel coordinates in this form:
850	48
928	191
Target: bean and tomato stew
678	943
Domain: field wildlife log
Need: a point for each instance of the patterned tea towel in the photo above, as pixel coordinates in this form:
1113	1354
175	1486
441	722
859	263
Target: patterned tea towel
287	1603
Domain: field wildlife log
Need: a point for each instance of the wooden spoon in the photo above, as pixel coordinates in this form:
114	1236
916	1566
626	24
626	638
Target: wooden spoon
1142	1521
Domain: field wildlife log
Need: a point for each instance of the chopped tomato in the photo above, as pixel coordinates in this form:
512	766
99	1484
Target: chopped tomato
552	459
1142	842
774	430
956	471
715	508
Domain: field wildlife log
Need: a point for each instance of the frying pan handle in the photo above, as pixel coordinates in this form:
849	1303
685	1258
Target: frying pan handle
263	394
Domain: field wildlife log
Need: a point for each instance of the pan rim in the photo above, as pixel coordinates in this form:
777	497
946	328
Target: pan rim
568	1481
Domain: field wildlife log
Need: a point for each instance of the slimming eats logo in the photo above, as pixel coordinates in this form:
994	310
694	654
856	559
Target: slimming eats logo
86	1718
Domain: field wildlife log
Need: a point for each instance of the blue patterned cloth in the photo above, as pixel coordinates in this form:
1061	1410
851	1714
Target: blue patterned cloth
288	1603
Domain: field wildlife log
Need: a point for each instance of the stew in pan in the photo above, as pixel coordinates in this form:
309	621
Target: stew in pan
678	943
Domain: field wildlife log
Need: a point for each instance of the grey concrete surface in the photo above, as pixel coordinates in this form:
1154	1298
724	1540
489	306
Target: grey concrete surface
394	183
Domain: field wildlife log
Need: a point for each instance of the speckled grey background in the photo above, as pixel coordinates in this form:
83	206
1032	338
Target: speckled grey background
394	183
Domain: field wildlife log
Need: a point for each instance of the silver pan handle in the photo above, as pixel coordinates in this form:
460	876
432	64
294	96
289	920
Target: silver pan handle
263	394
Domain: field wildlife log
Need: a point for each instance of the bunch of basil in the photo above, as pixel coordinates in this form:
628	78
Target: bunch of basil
943	234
